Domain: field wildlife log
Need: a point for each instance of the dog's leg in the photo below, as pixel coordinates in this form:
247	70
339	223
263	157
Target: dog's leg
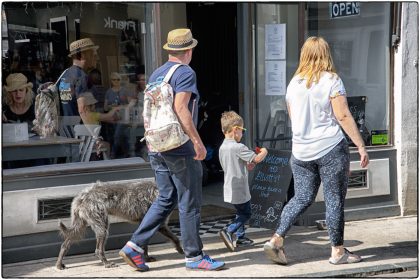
166	231
63	251
146	254
101	231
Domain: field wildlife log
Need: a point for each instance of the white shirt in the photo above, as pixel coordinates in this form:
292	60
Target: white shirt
233	158
315	129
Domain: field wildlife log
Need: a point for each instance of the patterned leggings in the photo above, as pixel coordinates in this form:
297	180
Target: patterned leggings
333	170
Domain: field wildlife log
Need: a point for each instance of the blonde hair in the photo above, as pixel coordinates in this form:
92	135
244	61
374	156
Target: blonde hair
315	58
229	120
28	100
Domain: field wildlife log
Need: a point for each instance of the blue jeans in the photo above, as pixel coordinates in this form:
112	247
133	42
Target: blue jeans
243	213
179	182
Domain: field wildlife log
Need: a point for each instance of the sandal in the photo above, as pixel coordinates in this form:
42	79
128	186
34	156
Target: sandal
276	254
347	257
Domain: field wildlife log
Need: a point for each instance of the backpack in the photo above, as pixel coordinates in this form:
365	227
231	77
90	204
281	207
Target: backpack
163	131
47	109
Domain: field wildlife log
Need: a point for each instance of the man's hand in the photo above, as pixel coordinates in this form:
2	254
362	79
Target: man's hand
200	151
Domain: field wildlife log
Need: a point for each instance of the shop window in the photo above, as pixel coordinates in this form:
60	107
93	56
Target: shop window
359	39
277	57
50	209
36	37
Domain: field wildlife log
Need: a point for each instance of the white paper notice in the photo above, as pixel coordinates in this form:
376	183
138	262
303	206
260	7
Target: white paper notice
275	41
275	77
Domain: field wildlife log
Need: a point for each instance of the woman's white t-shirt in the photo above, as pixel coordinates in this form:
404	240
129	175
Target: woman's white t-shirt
315	129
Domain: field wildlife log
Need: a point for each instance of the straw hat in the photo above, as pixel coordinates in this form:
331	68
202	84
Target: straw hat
82	45
180	40
16	81
88	98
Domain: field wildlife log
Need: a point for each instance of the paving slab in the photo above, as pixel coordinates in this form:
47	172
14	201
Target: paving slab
387	245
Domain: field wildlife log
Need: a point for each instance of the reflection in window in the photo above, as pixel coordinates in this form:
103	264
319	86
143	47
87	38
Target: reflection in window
38	48
360	48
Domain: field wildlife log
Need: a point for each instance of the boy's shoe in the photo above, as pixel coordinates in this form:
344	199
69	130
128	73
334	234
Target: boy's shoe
244	241
133	258
229	239
206	263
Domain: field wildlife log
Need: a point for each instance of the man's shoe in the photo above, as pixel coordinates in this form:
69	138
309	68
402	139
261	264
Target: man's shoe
133	258
229	239
244	241
206	263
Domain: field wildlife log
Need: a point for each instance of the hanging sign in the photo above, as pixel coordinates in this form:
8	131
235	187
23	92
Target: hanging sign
344	9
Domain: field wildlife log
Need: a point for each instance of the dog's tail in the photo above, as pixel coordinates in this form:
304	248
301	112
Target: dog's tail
77	229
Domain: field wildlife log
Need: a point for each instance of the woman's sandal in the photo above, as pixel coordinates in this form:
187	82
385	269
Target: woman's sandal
347	257
276	254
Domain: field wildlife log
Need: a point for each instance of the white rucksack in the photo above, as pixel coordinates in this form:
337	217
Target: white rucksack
47	109
163	131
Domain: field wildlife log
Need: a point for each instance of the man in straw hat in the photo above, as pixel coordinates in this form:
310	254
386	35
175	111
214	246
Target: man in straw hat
178	172
75	80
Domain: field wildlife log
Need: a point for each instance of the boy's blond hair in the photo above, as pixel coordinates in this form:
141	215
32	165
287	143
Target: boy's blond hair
229	120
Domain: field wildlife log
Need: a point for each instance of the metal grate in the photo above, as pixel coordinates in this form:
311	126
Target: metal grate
358	179
54	208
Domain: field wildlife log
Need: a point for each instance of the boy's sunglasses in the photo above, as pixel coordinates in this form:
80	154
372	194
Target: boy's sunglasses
240	127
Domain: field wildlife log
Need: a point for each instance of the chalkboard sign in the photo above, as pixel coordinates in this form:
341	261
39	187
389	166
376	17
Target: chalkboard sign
357	106
269	185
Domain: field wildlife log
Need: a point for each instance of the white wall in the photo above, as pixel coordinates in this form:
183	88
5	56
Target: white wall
406	93
20	209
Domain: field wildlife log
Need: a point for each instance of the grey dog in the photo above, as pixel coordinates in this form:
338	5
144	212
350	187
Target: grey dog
92	206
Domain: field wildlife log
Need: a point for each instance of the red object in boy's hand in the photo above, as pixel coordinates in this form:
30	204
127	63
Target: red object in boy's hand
257	150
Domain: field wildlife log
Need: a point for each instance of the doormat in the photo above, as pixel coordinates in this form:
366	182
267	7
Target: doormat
209	213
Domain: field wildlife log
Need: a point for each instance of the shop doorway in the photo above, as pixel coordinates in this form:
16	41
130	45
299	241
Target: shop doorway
215	61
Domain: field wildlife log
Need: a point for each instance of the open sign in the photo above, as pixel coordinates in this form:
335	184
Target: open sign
344	9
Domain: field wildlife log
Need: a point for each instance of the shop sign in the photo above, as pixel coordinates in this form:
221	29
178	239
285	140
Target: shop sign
119	24
344	9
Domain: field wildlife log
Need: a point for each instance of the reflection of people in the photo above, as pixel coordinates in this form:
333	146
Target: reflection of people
316	101
234	158
89	115
178	172
88	111
141	86
117	95
19	98
141	79
19	107
75	80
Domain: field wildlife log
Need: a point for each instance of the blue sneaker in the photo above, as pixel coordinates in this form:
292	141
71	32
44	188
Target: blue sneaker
133	258
206	263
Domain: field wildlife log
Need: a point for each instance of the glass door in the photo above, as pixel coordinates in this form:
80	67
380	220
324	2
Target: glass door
277	56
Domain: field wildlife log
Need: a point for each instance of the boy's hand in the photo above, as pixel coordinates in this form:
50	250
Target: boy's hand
250	166
257	150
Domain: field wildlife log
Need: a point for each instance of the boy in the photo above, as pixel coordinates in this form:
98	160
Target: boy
235	159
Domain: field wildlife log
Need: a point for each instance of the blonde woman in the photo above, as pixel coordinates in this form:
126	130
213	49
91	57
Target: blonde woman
117	95
317	105
18	102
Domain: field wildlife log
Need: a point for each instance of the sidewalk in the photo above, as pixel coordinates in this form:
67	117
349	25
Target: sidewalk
387	245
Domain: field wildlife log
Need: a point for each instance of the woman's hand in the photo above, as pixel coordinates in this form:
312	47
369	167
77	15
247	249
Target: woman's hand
364	157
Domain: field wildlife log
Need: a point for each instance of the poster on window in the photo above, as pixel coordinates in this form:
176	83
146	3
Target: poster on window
275	41
275	77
